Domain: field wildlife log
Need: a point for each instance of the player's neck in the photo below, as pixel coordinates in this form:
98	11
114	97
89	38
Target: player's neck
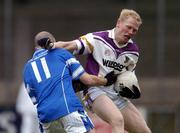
120	44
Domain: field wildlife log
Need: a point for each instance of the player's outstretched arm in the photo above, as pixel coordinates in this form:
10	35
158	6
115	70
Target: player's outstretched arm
46	43
92	80
69	45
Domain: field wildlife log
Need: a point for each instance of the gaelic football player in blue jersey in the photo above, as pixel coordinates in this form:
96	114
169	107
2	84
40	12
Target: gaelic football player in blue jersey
48	79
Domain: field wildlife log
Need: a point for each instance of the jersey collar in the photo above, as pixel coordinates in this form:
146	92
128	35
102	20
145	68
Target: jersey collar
111	35
39	51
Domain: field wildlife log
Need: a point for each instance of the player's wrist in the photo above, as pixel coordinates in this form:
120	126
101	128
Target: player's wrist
111	78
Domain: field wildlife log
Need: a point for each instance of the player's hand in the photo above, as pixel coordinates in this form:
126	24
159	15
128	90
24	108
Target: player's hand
46	43
131	94
136	91
111	78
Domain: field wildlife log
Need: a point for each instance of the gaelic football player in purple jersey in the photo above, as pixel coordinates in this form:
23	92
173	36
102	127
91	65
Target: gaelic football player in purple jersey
112	50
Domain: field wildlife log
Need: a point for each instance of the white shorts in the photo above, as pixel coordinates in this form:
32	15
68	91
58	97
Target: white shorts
119	101
76	122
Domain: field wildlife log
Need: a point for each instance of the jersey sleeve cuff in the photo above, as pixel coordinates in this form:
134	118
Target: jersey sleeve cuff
79	46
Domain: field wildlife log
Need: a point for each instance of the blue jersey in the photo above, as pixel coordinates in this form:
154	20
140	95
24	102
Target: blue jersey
48	79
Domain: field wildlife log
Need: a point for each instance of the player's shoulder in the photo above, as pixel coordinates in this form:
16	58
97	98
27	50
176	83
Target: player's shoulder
132	46
102	34
28	62
27	66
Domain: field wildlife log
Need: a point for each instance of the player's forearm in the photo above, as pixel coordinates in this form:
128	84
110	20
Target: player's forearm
92	80
69	45
97	81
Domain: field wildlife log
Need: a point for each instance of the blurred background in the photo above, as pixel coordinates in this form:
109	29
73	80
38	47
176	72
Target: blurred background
158	69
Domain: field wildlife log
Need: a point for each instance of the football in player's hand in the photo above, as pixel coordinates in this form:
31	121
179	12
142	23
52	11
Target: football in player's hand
126	80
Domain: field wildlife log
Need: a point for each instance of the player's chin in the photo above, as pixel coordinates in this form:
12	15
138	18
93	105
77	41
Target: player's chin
125	40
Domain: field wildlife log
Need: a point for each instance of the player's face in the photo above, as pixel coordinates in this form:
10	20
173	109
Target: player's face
126	29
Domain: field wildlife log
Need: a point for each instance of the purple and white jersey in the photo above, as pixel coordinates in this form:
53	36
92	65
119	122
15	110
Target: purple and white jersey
104	53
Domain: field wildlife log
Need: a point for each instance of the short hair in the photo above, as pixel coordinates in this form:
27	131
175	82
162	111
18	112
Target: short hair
126	13
43	34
